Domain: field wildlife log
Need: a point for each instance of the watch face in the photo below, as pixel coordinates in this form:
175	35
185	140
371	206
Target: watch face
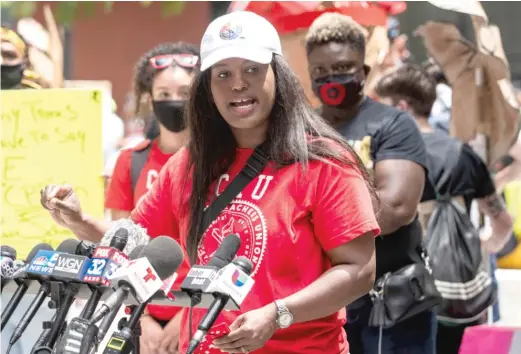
285	320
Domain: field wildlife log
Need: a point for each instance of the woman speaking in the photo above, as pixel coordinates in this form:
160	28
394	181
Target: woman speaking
306	219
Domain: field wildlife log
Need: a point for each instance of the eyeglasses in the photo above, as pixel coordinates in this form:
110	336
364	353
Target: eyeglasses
184	60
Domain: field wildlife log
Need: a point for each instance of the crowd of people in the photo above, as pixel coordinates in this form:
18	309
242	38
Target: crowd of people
342	204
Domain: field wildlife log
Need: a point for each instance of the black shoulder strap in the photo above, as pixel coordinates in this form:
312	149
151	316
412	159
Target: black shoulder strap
252	169
453	155
138	160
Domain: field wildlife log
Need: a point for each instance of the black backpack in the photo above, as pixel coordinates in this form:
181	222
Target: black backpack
137	162
454	248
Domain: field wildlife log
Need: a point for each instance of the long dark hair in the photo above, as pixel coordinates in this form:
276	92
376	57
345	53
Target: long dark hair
212	145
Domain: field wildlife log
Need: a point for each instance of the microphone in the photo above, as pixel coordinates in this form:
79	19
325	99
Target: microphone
69	269
6	270
7	251
136	234
120	239
107	320
144	276
119	340
79	328
42	264
234	280
231	279
200	276
19	277
7	257
105	261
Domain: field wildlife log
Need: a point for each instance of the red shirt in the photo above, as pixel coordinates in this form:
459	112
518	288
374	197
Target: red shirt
286	219
120	197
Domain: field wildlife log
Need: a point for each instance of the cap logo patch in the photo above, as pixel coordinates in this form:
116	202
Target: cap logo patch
230	31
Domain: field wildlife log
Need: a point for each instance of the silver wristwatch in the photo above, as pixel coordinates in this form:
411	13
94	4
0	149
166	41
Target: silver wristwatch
284	317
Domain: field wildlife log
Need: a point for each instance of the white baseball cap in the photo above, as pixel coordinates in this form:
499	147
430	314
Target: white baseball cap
240	34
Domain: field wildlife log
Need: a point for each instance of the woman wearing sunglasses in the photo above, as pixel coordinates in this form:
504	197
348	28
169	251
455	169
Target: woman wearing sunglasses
306	220
163	77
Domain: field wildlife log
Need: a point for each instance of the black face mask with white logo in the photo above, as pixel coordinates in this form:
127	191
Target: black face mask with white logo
170	114
11	76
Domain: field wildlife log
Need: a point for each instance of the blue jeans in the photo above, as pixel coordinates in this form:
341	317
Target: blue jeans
416	335
496	316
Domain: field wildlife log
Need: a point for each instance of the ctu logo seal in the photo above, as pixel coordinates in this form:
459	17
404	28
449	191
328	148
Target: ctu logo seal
245	219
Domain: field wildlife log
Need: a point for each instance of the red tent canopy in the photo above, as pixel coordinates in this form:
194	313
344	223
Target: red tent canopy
289	16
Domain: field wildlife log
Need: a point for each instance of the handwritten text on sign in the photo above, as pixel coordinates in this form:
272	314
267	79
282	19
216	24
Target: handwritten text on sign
47	137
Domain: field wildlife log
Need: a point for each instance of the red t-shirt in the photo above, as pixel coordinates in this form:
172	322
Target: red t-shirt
286	219
120	197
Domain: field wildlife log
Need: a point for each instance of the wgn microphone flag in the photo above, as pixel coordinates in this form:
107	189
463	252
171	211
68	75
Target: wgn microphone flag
69	269
42	265
80	335
114	258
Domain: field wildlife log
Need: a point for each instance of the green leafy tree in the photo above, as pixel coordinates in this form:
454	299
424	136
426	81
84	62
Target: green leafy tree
67	11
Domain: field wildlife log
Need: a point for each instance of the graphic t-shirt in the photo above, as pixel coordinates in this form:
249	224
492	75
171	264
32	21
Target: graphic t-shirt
286	220
121	197
380	132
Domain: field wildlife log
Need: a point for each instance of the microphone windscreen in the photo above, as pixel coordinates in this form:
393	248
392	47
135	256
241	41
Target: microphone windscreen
226	251
136	252
38	247
136	234
8	251
164	254
68	246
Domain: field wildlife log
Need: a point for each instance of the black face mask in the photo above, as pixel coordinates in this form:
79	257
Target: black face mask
11	75
339	90
170	114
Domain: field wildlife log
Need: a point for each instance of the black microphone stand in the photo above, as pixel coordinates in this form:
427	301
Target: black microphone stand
126	340
54	328
14	301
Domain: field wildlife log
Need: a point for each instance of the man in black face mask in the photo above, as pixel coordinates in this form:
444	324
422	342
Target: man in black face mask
14	73
391	147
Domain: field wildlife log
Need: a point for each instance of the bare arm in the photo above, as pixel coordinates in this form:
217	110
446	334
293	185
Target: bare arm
399	184
119	214
64	207
500	220
90	229
511	172
351	276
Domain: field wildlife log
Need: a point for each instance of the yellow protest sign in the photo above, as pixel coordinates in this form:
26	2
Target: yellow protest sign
47	137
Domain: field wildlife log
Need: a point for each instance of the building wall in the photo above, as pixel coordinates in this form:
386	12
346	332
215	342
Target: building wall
107	46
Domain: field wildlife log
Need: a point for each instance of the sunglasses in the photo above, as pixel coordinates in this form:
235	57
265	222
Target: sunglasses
184	60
